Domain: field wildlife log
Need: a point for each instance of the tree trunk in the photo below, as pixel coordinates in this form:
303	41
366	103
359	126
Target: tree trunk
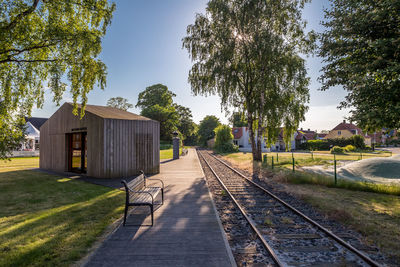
252	139
258	154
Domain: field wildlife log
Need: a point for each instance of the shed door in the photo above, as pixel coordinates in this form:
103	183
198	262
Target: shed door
77	152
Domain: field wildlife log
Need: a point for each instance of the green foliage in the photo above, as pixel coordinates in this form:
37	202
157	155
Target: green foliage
157	94
247	53
167	117
326	144
206	128
238	120
350	148
358	141
223	134
362	52
120	103
193	139
186	126
316	144
12	134
156	103
338	150
223	139
45	43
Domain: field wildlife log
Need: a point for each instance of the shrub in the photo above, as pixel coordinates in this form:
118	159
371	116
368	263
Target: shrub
223	139
227	148
358	141
350	148
317	145
338	150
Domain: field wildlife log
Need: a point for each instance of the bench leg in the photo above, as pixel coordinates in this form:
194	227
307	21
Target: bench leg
162	196
152	216
125	214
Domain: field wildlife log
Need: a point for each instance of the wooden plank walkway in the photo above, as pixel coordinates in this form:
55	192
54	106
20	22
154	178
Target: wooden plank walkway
186	231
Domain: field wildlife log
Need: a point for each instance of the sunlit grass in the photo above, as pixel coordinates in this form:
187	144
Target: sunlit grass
369	208
48	220
168	153
375	216
284	166
18	163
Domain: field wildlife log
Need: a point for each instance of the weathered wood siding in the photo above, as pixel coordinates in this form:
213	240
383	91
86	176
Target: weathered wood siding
53	144
115	148
131	146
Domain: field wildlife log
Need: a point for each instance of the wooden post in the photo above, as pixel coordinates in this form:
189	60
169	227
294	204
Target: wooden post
335	172
272	165
293	163
277	158
312	155
265	158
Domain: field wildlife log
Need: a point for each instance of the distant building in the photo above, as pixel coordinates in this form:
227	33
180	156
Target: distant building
241	138
32	137
347	130
302	136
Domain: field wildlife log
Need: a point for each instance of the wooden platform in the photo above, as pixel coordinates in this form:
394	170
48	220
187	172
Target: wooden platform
186	231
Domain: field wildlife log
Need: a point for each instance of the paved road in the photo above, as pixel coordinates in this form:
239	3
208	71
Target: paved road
187	231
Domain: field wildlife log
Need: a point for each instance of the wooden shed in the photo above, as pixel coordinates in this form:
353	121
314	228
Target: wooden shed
106	143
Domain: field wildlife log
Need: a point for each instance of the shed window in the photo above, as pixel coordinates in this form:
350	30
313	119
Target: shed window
339	132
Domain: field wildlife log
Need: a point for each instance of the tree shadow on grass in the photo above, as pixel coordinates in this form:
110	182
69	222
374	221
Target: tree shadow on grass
50	220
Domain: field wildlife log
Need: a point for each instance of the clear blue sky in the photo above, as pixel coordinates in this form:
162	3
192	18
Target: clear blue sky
143	47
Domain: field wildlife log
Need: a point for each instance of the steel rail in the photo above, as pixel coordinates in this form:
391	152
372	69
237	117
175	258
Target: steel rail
364	257
249	220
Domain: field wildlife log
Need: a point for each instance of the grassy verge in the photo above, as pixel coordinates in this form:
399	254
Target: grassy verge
168	153
309	178
360	206
48	220
281	169
375	216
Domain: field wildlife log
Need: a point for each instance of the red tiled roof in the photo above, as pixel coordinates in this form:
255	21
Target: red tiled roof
237	132
308	135
347	126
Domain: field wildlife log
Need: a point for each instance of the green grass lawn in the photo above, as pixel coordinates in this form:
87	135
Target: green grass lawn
167	153
48	220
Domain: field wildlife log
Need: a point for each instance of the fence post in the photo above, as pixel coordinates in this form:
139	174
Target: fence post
312	155
334	157
293	163
277	157
265	158
272	158
335	172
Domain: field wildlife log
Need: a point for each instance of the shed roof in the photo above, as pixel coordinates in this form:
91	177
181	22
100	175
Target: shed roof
112	113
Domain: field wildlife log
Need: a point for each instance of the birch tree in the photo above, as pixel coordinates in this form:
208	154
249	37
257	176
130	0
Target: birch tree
248	53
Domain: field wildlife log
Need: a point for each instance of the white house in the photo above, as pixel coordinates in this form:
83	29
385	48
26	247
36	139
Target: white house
30	147
241	138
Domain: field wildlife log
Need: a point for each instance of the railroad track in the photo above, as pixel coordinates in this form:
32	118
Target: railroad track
289	236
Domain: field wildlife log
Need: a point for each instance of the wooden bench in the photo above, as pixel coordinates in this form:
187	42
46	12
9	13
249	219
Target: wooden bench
138	194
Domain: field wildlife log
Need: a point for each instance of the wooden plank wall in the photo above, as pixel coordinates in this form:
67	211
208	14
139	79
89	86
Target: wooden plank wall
53	145
131	146
116	148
